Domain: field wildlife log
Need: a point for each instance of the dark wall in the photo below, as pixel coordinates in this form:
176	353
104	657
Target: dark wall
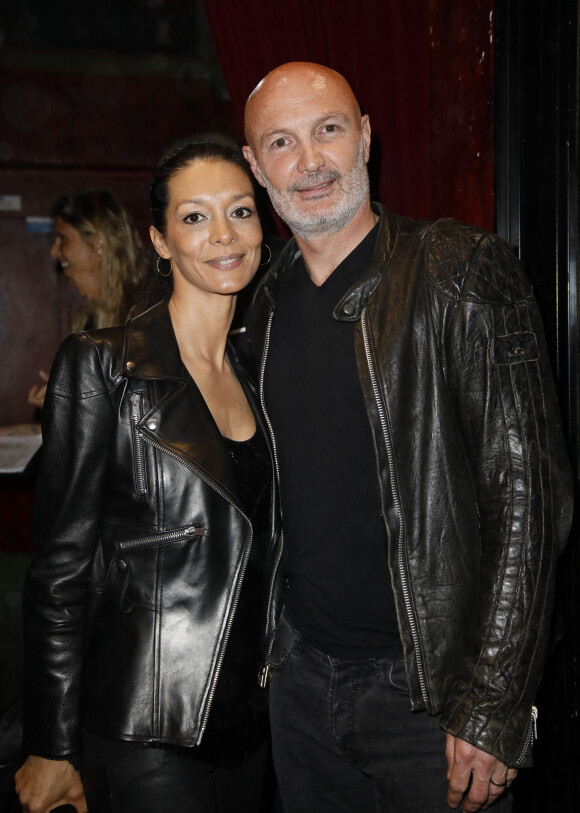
35	300
68	122
537	148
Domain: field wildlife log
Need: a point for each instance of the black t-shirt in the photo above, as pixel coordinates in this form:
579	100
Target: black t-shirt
339	592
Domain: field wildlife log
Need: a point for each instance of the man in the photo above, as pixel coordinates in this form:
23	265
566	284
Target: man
425	486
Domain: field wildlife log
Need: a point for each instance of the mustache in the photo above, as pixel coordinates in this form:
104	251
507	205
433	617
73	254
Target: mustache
315	178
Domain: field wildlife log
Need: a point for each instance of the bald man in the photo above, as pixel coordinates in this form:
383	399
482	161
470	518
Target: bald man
424	479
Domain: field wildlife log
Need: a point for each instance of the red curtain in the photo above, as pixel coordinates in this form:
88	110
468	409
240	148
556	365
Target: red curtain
411	65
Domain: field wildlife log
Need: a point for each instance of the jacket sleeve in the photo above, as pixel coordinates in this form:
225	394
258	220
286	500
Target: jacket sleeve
500	383
76	424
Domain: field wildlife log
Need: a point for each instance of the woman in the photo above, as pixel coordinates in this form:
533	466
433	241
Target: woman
146	604
102	256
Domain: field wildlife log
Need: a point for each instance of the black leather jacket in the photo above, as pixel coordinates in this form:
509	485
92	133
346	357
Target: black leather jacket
473	473
141	545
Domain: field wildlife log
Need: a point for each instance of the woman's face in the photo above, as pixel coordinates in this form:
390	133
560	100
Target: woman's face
213	234
80	259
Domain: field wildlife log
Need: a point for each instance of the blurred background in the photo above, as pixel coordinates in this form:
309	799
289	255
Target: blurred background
474	112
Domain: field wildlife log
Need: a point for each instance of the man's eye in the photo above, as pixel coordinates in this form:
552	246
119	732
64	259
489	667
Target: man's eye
330	128
242	212
280	142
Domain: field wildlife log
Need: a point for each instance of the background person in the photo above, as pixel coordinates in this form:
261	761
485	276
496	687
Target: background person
145	604
425	486
101	254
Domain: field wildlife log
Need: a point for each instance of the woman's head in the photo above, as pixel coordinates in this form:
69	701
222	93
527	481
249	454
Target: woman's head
100	251
205	221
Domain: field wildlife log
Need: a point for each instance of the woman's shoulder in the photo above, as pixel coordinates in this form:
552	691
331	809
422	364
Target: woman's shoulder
101	340
88	361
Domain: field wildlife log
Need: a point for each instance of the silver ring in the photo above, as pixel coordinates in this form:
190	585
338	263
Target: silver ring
498	784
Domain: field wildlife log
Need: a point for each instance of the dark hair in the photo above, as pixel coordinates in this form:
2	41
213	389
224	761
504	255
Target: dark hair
203	148
182	157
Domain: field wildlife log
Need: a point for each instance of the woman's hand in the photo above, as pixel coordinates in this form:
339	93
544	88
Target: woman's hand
44	784
37	393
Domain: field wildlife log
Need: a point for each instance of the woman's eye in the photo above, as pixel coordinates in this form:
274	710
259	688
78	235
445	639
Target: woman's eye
194	217
242	212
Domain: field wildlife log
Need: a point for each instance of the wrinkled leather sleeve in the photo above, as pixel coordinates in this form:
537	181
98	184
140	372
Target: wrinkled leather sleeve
496	365
77	415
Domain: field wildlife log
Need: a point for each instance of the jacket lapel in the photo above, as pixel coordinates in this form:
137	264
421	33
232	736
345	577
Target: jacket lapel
180	421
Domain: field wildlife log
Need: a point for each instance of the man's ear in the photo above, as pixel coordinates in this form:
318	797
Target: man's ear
159	243
366	132
251	159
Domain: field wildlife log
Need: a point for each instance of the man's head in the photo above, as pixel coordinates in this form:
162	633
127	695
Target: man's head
308	145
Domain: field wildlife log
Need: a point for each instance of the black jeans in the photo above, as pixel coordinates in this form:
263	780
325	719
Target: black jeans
162	780
345	739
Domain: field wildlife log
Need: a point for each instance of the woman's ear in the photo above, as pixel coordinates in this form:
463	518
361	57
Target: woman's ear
159	243
97	244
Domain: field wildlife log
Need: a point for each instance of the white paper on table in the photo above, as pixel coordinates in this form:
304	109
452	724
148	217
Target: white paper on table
16	452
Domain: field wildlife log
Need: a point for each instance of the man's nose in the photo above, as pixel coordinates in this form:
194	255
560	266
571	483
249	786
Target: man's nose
311	157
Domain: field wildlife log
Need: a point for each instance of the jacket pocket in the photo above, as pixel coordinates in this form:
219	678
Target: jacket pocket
139	467
128	557
286	639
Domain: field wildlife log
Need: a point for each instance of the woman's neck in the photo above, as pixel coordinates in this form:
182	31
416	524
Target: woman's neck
201	326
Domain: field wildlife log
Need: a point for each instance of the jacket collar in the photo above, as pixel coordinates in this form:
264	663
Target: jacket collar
150	349
181	421
350	307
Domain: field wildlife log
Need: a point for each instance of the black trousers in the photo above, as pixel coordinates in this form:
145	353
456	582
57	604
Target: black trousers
159	780
344	737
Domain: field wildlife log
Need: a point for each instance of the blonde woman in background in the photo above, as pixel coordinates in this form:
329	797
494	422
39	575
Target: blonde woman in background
102	256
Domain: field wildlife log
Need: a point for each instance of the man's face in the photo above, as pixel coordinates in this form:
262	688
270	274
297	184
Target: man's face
309	147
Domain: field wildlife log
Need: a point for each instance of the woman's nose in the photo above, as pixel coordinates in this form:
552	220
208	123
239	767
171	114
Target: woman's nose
223	231
55	249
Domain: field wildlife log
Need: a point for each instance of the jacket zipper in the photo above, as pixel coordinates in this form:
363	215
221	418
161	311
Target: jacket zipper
227	632
170	536
264	672
397	501
140	471
531	735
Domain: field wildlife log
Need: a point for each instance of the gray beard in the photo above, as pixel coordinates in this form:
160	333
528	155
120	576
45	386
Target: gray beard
355	185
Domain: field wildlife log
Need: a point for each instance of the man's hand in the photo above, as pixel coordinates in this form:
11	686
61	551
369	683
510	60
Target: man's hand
488	776
43	784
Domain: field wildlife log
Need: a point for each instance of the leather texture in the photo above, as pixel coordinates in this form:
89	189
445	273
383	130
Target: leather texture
141	544
473	473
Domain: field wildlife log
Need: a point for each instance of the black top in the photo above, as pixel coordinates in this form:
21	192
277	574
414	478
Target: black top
238	720
335	554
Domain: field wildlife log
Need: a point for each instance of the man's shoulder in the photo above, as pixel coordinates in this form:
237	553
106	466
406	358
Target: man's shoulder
465	262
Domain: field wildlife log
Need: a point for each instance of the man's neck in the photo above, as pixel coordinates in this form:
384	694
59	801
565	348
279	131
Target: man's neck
324	253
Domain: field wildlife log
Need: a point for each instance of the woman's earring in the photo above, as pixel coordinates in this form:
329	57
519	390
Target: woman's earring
265	245
159	270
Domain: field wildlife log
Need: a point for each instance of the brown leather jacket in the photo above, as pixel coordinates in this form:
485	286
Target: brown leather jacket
142	545
473	473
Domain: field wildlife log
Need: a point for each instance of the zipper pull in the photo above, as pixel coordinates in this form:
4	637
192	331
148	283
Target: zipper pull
264	675
193	531
535	721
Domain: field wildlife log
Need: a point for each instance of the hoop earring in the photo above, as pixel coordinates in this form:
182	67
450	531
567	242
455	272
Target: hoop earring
265	245
170	267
